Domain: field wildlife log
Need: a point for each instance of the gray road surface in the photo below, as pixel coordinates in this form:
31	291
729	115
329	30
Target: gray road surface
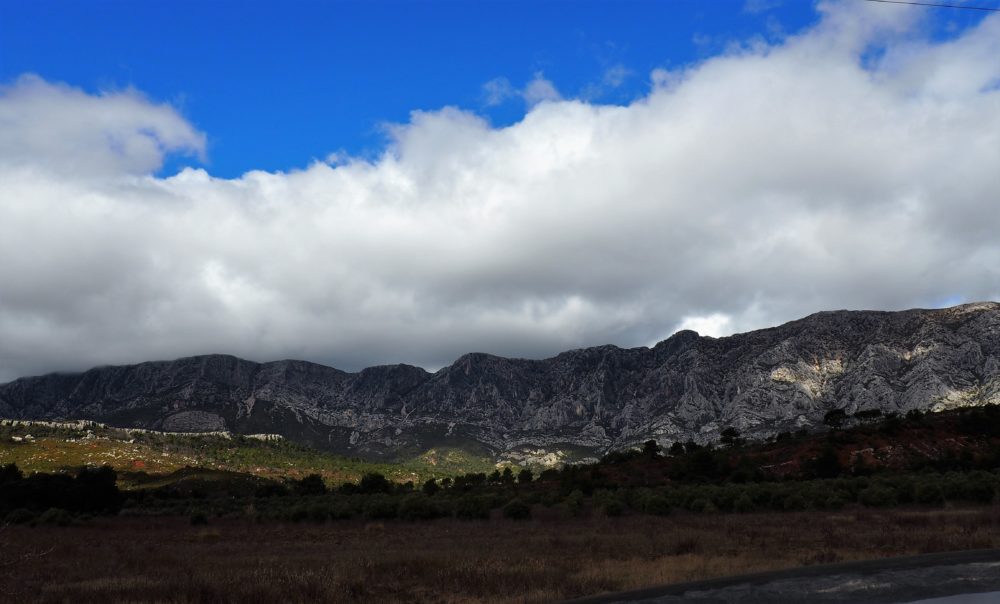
887	581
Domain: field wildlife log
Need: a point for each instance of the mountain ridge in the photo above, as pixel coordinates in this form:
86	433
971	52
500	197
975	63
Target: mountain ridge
686	387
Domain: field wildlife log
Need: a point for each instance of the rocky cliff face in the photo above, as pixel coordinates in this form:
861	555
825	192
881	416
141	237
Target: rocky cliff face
594	399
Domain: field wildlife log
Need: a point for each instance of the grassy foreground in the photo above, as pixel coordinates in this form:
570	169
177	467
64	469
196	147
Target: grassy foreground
497	560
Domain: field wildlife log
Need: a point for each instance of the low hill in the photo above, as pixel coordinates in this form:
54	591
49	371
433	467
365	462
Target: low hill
152	458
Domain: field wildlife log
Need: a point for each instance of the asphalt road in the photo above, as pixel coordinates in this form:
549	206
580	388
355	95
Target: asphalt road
885	581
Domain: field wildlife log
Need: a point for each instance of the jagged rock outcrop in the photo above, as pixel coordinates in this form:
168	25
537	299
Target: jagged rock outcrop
594	399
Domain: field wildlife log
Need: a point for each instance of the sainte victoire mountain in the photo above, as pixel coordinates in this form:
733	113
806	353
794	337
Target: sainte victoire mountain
585	401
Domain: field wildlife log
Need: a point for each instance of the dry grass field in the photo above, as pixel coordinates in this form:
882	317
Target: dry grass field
168	560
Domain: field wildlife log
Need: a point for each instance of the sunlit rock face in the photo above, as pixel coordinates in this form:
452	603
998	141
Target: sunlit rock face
588	400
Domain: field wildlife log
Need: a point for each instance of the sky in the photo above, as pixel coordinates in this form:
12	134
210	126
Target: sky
361	183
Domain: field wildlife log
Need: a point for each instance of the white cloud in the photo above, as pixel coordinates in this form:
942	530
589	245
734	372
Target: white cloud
760	6
497	91
615	76
754	188
540	89
612	78
713	325
68	131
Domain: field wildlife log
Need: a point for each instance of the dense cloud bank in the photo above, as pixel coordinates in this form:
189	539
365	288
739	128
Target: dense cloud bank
856	165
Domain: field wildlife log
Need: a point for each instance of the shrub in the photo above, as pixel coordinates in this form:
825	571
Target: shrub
430	487
199	519
55	516
657	505
525	476
743	504
20	516
549	474
613	508
650	448
613	503
878	496
891	426
574	502
471	507
929	493
418	507
835	417
380	507
10	473
979	487
310	485
374	483
96	490
318	513
340	510
834	502
730	437
824	465
701	506
271	489
795	502
517	510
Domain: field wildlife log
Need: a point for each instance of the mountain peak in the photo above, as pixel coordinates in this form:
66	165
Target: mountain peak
686	387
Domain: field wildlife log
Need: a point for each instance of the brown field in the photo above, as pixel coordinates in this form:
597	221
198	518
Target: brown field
168	560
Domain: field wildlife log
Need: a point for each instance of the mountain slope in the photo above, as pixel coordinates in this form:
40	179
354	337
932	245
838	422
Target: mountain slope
591	399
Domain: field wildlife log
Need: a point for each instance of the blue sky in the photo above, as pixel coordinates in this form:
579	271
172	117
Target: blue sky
277	84
360	183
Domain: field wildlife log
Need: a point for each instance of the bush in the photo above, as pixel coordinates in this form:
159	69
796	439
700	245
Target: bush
608	503
517	510
824	465
795	502
430	487
298	513
318	513
657	505
929	493
730	437
702	506
613	508
834	502
979	487
55	516
418	507
471	507
574	502
380	507
20	516
878	496
374	483
651	448
743	504
340	510
199	519
310	485
10	473
270	489
96	491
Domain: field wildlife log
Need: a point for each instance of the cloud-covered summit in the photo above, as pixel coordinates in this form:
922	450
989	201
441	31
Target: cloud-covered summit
856	165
